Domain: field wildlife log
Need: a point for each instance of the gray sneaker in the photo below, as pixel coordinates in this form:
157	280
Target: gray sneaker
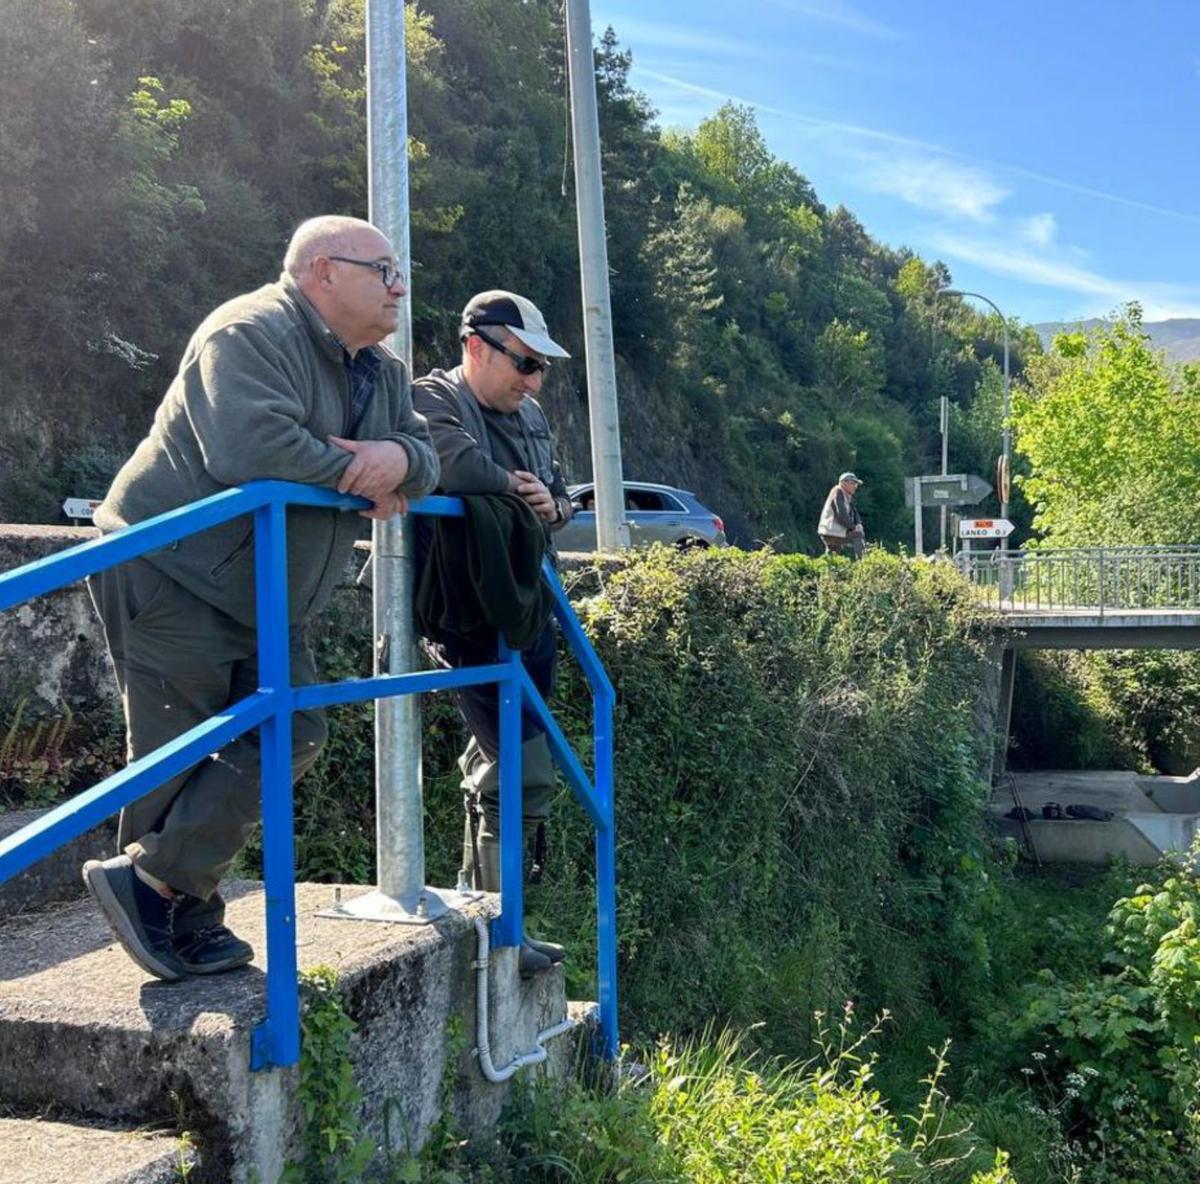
139	916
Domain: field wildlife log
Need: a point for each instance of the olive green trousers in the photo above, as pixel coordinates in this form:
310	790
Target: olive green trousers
178	661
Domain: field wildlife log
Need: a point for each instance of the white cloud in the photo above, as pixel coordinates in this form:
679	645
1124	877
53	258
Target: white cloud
1159	300
859	132
648	36
934	183
838	12
1038	230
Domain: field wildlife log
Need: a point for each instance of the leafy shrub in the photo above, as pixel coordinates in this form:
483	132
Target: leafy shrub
1116	1052
798	789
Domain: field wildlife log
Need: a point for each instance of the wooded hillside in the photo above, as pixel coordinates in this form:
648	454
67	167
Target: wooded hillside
159	152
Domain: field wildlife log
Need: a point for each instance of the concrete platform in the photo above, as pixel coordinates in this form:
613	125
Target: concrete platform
1151	815
83	1029
37	1151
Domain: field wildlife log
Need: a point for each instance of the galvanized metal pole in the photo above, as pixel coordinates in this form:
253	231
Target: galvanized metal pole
401	894
1007	429
399	820
612	532
918	517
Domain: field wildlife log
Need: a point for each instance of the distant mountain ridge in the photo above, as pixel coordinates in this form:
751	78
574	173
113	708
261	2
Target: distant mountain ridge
1180	336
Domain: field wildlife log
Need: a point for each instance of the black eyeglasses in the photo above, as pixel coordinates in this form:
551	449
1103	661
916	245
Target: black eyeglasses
388	272
522	362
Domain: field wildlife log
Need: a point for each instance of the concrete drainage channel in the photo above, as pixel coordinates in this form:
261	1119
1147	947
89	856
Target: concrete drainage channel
1150	815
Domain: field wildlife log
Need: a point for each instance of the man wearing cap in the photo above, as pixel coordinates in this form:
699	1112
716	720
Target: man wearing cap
840	521
492	437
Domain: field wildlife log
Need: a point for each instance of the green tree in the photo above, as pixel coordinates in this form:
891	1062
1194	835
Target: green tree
1112	439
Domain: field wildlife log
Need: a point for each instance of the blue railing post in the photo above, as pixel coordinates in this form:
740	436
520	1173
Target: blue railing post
606	874
508	928
277	1038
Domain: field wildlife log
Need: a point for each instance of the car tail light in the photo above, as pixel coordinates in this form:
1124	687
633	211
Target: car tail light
719	524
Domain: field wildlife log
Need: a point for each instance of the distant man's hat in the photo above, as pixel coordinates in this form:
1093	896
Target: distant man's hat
516	314
850	477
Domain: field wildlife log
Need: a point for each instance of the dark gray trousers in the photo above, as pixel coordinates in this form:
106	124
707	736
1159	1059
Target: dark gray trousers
179	661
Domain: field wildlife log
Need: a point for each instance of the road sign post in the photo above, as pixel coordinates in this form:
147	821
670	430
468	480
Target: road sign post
80	507
941	489
918	537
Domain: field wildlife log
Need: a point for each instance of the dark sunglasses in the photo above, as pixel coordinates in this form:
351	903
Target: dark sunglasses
522	363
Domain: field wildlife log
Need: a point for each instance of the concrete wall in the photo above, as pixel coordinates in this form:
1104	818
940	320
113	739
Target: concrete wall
52	648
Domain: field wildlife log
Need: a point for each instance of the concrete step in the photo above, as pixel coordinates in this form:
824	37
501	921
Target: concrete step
39	1151
57	877
82	1028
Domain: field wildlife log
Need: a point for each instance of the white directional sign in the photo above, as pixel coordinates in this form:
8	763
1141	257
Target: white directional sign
984	528
81	507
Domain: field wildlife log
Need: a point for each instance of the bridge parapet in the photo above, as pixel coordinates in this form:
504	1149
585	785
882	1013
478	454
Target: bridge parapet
1098	581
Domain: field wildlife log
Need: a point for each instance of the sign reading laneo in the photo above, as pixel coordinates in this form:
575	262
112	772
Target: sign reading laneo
984	528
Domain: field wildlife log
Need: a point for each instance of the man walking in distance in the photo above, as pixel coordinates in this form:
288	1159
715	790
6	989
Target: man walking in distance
288	382
840	521
492	436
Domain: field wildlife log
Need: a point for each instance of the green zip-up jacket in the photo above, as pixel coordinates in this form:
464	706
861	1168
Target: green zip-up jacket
262	384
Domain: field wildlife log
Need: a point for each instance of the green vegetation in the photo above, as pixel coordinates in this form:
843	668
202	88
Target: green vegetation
765	341
1109	432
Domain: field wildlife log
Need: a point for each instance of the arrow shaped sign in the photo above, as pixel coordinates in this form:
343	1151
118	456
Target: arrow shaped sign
954	489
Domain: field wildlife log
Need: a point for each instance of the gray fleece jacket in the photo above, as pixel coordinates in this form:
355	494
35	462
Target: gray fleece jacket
262	384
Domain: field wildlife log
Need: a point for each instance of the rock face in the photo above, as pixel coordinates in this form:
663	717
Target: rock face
51	649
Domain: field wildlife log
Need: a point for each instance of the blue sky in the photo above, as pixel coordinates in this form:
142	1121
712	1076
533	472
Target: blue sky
1047	152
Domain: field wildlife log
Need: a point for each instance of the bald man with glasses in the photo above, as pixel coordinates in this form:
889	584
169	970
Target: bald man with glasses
492	437
289	382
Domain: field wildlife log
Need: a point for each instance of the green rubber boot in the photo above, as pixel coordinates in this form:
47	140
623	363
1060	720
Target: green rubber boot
481	852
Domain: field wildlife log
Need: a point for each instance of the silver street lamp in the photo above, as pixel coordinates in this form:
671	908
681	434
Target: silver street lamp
1007	430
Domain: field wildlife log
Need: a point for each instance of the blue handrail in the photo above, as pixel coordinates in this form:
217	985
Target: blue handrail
276	1040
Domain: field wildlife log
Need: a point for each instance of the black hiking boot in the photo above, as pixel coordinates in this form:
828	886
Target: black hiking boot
212	949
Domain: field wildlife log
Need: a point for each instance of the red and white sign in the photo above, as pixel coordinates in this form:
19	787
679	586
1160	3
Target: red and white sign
984	528
81	507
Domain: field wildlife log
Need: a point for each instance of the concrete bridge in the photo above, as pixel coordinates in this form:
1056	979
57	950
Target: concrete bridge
1092	598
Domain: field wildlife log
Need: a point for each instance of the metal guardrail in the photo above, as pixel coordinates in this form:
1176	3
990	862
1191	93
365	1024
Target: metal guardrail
1097	579
276	1040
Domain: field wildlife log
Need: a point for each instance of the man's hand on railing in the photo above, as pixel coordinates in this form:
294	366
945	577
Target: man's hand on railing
386	506
376	469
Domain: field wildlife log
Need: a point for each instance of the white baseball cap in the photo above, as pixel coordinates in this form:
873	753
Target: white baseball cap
519	316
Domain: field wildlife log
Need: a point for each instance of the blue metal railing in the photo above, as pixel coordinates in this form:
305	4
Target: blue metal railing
276	1040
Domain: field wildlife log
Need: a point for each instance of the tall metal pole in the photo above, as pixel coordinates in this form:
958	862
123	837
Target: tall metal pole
399	819
401	895
1007	429
945	422
612	533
